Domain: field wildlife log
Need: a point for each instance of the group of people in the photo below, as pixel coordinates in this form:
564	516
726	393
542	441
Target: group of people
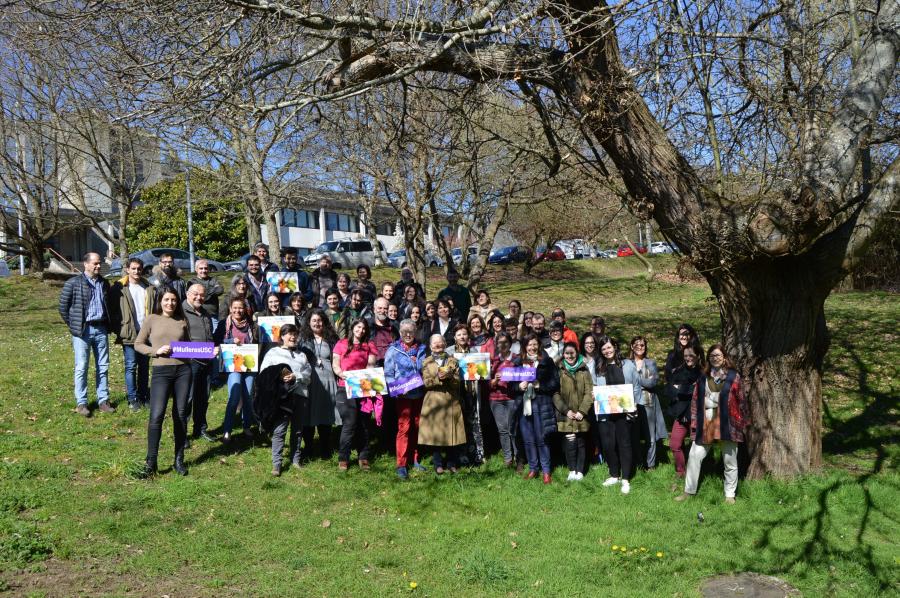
429	408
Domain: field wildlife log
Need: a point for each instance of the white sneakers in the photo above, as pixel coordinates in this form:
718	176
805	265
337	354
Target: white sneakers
611	481
626	487
575	476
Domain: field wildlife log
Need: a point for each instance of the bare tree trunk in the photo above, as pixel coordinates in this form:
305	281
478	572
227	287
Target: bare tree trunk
484	246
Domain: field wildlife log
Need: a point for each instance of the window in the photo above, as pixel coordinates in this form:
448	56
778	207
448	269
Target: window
341	222
303	252
384	228
300	218
360	246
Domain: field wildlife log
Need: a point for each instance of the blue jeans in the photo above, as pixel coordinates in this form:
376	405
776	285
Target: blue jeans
94	340
137	374
536	449
240	390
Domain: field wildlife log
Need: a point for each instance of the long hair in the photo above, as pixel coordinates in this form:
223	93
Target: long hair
365	337
600	363
631	347
328	331
265	311
523	345
179	312
727	363
693	341
586	336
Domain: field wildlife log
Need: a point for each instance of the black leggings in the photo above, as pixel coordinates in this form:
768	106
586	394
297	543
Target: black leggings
355	429
168	380
615	437
575	451
309	433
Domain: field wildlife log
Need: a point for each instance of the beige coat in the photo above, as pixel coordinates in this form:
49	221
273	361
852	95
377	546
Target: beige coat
441	422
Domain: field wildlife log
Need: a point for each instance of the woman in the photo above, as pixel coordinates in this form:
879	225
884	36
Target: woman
617	429
239	289
416	315
573	402
505	401
402	362
364	284
483	306
393	313
515	312
444	324
590	352
680	382
343	288
478	335
526	322
238	329
441	423
316	339
333	305
297	307
272	308
538	419
651	423
430	311
353	353
685	337
495	324
471	393
171	377
719	413
410	299
292	379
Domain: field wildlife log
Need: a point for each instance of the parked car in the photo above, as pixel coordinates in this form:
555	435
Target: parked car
625	250
607	254
150	257
238	265
456	252
346	253
397	259
574	249
661	247
509	255
554	254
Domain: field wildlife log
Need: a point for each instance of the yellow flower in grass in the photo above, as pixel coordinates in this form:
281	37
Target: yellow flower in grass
659	554
615	547
623	549
413	585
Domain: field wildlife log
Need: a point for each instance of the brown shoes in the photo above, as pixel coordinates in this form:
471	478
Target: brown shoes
364	465
683	497
547	478
530	475
83	410
105	407
343	466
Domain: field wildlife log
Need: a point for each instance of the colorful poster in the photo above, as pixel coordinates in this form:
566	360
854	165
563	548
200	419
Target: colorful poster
615	398
283	282
239	358
183	350
270	326
474	366
404	385
365	383
518	374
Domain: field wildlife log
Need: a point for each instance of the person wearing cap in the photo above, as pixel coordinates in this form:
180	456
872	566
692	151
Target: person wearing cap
569	336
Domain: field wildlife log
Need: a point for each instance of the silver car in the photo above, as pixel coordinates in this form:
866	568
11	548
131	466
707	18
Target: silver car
150	257
346	253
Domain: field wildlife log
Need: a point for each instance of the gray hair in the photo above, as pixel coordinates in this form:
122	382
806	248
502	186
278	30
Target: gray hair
439	336
408	324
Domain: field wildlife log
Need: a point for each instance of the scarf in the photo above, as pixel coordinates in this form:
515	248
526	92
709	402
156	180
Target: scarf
574	367
440	358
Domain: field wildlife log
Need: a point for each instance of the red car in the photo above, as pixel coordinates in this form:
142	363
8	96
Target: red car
625	250
554	254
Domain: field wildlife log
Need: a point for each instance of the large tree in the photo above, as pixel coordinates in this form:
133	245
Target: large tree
761	137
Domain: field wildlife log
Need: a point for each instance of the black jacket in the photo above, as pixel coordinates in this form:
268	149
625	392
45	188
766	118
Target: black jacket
75	300
199	324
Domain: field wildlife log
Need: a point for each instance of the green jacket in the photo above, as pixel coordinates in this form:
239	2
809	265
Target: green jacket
575	393
122	317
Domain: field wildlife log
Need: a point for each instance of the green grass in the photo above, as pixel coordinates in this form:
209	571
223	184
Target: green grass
68	498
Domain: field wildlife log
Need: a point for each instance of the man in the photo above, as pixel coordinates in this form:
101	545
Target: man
200	330
511	326
256	282
384	332
292	264
569	336
213	288
164	275
538	324
261	250
82	305
322	280
556	342
462	299
126	313
354	310
406	280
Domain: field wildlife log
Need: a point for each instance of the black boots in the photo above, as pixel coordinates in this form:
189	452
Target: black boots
147	471
179	463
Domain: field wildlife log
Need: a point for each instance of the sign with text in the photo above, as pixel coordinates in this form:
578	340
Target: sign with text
404	385
518	374
183	350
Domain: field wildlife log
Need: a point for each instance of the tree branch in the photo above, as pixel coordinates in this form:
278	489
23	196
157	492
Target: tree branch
883	199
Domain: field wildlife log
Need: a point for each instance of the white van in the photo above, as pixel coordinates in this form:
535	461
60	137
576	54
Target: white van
346	253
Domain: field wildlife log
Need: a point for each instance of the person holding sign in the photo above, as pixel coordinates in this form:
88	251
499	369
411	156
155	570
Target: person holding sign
719	413
441	423
237	329
538	418
505	401
573	402
353	353
200	330
617	429
171	377
471	393
403	370
292	392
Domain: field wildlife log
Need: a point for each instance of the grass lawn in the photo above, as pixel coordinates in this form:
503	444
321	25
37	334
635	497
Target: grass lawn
73	520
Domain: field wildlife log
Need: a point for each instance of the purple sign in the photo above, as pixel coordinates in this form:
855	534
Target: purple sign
404	385
518	374
181	350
